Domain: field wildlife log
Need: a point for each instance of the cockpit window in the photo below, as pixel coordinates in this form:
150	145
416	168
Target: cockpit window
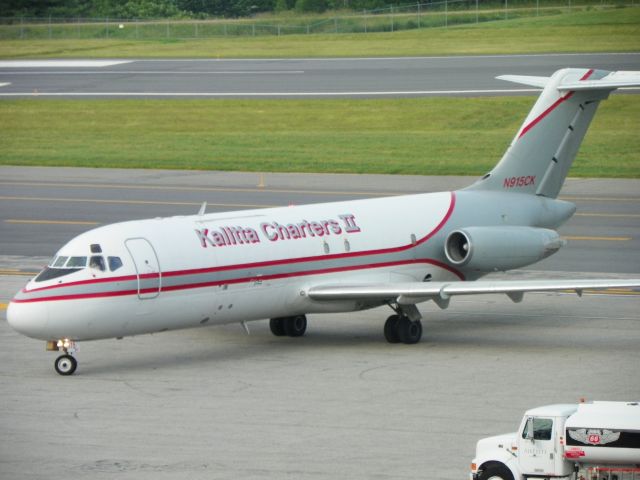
77	262
51	273
114	263
59	262
97	262
61	266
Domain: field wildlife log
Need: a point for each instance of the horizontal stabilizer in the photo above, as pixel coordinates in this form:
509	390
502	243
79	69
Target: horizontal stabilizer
610	82
538	82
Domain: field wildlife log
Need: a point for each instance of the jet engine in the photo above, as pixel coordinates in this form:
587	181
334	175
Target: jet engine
500	248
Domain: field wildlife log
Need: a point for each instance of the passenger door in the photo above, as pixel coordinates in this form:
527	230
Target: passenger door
147	267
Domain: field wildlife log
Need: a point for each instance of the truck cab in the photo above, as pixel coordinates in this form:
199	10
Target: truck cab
536	450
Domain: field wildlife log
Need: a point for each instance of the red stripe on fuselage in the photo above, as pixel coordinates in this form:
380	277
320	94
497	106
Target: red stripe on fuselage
276	276
286	261
565	97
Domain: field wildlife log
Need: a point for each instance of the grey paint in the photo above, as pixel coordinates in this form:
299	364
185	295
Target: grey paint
319	75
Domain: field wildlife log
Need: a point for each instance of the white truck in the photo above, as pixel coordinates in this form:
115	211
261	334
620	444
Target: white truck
585	441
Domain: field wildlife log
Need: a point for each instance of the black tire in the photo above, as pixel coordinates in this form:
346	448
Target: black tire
295	326
277	326
495	472
409	332
65	365
391	329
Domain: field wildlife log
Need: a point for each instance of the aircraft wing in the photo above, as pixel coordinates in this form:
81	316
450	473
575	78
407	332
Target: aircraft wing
441	292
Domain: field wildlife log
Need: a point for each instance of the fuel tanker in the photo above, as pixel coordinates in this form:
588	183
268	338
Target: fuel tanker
585	441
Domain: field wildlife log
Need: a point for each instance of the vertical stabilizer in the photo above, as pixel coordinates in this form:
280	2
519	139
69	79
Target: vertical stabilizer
541	153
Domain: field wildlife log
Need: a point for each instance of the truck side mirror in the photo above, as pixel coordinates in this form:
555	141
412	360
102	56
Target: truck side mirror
529	429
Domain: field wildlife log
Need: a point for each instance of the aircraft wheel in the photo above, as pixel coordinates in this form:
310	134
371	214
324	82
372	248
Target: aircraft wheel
391	329
295	326
277	326
65	365
409	332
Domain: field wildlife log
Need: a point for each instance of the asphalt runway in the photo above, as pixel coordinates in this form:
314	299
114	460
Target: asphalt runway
350	77
337	403
43	208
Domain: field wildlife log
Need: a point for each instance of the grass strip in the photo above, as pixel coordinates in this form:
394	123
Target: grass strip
614	30
425	136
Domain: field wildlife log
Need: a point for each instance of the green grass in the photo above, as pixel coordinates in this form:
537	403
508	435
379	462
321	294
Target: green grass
427	136
615	30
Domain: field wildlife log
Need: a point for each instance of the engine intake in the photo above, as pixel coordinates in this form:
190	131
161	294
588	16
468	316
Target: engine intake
500	248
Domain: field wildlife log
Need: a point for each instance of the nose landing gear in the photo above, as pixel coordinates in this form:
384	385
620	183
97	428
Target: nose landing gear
65	364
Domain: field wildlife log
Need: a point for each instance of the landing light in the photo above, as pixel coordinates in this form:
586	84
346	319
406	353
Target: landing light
65	344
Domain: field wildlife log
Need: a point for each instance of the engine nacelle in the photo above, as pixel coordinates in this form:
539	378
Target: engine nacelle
500	248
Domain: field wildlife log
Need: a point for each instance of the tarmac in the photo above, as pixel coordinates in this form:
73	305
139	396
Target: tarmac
340	402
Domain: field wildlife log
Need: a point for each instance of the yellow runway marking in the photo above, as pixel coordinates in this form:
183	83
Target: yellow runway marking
610	292
134	202
50	222
11	272
597	199
258	188
612	215
597	239
615	291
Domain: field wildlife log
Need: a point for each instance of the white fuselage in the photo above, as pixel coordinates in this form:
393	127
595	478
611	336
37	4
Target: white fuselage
182	272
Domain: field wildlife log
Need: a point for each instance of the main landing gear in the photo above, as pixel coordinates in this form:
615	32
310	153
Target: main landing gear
290	326
404	326
65	364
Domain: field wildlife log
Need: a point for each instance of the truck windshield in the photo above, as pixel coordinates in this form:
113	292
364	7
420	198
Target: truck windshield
542	428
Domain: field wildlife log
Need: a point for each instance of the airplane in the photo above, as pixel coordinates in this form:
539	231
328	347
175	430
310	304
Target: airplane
281	264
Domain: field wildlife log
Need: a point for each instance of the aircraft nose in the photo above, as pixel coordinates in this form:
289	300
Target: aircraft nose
29	319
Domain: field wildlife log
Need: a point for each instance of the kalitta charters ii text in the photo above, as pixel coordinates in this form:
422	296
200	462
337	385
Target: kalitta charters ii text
225	236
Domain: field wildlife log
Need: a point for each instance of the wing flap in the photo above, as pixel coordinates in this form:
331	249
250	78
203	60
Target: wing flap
416	292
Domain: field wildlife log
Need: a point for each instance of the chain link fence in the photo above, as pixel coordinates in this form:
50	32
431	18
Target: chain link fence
419	15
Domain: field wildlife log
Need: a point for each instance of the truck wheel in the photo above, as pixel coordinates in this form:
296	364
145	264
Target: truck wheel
496	472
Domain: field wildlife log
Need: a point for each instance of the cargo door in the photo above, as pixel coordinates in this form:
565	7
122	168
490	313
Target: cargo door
147	267
537	446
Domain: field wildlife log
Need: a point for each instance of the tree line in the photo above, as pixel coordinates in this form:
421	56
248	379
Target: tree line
175	8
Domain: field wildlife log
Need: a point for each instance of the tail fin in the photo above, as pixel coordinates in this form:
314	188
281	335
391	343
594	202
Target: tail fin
540	155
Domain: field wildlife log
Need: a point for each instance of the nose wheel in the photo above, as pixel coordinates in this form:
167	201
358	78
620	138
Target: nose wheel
65	364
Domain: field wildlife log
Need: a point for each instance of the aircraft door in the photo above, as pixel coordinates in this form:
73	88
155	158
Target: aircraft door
147	267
